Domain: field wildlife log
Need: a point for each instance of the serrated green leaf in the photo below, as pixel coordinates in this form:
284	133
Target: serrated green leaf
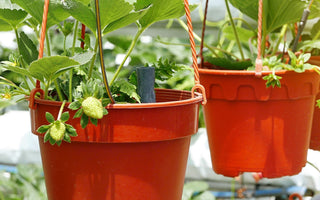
27	48
276	13
71	131
50	117
84	121
244	34
17	70
47	137
67	138
105	102
4	26
78	113
43	128
94	121
74	105
105	111
12	16
65	116
124	21
56	12
160	10
127	88
83	58
52	141
82	12
59	142
49	67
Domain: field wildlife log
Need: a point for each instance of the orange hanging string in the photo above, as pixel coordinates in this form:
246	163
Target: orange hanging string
197	86
43	32
259	62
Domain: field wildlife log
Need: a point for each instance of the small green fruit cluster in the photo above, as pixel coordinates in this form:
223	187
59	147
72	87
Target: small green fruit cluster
57	131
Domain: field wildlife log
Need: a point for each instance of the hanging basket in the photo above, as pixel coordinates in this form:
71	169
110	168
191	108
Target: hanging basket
137	151
252	128
315	132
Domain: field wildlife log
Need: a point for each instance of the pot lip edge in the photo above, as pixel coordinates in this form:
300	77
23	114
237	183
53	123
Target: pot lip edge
247	73
197	99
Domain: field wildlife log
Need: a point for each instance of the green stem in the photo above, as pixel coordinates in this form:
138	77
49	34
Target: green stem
233	188
64	45
48	44
74	36
314	166
132	45
93	59
61	110
58	90
282	33
234	30
71	70
198	38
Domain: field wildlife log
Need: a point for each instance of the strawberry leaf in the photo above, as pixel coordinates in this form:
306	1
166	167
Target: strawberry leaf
65	116
67	138
43	128
12	16
48	68
94	121
50	117
78	113
74	105
47	137
84	121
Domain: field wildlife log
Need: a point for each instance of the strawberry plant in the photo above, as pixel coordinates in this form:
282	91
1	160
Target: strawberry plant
73	74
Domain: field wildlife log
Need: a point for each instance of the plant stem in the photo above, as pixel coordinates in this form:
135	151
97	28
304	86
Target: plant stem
71	70
61	110
74	36
234	30
93	59
282	33
58	90
314	166
132	45
212	49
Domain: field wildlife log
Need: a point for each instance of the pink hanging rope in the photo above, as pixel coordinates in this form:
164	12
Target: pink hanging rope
197	85
43	32
259	62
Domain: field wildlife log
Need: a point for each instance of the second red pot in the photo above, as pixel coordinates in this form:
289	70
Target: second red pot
252	128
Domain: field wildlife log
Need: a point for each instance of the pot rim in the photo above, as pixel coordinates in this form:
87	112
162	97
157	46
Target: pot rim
247	73
184	101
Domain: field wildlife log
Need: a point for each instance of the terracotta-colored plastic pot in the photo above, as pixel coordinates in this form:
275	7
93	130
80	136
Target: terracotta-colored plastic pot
252	128
137	151
315	133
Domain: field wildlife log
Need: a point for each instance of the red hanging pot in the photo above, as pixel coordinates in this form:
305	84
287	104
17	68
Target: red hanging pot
315	133
252	128
137	151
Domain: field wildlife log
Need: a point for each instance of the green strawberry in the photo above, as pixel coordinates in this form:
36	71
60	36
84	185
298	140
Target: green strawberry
57	130
92	107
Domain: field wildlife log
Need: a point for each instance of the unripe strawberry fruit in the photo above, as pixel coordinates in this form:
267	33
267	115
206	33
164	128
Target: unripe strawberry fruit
92	107
57	130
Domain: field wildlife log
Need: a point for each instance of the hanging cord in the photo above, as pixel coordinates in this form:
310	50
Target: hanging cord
43	32
37	89
259	62
194	56
203	32
103	70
